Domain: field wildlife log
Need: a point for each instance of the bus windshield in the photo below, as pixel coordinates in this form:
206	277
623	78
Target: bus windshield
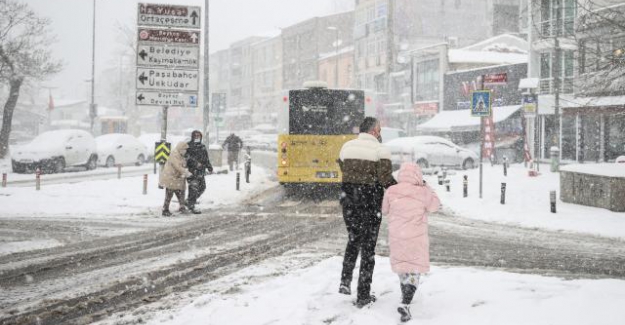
325	111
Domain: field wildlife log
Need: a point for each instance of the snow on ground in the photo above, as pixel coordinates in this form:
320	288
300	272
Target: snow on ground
445	296
115	199
119	197
527	202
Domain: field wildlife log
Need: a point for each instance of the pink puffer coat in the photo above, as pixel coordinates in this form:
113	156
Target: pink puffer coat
406	205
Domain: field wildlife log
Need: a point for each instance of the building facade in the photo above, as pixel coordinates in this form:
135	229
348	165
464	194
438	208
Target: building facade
267	63
394	28
577	58
304	43
344	60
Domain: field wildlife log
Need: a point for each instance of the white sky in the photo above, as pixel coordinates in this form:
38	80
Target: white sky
231	20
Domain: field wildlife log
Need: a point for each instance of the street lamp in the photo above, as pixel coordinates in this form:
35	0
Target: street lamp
336	70
92	106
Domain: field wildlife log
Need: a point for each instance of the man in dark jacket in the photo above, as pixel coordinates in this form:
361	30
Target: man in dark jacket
233	145
197	163
367	172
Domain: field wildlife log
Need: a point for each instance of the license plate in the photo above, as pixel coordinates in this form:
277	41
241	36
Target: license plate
327	175
26	161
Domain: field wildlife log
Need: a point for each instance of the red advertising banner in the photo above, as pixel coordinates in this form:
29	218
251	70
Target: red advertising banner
496	79
489	137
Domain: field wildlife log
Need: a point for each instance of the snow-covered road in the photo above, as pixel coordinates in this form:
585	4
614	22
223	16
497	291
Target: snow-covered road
88	280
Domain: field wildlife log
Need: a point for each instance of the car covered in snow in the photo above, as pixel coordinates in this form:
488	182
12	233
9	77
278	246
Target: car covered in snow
53	151
389	134
120	149
428	151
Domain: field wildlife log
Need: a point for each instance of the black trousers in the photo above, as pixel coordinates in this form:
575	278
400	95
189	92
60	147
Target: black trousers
197	186
362	215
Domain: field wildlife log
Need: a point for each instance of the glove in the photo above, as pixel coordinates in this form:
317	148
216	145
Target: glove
210	170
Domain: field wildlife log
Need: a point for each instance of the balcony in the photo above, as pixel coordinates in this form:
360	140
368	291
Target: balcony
546	85
549	29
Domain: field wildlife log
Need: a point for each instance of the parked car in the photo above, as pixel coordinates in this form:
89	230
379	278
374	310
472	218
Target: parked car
53	151
430	151
120	149
389	134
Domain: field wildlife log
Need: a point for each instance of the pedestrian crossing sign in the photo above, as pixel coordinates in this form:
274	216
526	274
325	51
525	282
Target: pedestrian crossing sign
481	103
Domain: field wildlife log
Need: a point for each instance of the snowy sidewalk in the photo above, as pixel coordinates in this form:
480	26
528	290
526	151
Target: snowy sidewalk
445	296
527	202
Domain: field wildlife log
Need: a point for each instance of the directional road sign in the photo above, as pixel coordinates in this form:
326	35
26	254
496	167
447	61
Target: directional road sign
157	98
168	56
162	150
171	36
163	15
167	80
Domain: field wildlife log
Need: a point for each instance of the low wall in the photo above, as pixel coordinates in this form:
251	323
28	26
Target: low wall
597	185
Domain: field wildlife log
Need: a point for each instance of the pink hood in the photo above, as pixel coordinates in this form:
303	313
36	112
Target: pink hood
410	173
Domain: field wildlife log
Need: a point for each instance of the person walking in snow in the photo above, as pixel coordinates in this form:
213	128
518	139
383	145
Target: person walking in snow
233	145
198	163
173	177
367	171
406	205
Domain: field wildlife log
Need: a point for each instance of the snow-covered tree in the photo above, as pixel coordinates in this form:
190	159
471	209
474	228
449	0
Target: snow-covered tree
24	56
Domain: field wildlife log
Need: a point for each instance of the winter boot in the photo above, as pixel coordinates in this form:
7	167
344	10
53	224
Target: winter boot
183	210
365	302
193	209
404	311
345	289
166	213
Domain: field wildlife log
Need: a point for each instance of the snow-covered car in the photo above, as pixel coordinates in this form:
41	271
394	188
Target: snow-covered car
430	151
389	134
120	149
53	151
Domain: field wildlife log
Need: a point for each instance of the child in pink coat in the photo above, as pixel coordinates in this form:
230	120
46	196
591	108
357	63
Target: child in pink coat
406	205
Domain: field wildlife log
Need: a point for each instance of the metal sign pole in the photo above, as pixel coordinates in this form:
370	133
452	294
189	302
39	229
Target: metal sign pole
164	124
163	131
481	143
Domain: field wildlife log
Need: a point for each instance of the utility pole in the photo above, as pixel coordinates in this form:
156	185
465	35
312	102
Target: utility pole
557	72
390	49
206	94
92	106
336	71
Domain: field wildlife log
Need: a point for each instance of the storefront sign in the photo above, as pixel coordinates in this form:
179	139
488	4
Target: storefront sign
530	105
496	79
426	109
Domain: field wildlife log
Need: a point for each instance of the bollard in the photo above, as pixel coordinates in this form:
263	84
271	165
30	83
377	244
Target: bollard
38	179
444	173
505	166
145	184
552	199
448	185
247	172
119	171
503	193
440	179
465	186
4	179
238	180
